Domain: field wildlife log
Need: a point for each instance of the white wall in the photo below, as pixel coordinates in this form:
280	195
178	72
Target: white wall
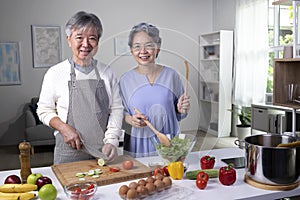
180	22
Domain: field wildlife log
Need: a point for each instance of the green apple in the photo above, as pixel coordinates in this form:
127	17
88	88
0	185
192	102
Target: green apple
33	177
47	192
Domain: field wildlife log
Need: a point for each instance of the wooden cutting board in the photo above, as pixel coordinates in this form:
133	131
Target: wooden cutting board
66	173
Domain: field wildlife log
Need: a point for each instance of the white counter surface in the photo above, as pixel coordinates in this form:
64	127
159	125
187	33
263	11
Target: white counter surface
183	189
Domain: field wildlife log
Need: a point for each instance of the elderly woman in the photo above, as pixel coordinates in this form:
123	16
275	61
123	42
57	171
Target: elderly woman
80	97
155	90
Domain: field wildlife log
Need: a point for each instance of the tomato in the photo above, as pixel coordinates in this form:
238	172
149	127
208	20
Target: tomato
127	164
201	184
158	170
114	169
201	180
91	187
166	171
76	191
202	176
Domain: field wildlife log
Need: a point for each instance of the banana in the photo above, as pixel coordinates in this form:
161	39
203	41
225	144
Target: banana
16	196
9	188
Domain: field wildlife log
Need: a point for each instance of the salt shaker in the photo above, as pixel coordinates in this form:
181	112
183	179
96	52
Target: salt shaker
24	156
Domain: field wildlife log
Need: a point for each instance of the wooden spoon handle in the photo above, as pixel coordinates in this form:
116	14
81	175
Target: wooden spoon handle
186	76
147	122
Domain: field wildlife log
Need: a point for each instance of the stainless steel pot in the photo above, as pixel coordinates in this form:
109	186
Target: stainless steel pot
269	164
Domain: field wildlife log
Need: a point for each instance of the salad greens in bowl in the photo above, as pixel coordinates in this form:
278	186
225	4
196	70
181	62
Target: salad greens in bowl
181	146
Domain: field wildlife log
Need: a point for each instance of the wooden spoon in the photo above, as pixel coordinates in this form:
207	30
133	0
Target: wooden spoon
164	140
186	76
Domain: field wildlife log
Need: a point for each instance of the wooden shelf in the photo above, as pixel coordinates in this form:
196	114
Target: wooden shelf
283	2
286	71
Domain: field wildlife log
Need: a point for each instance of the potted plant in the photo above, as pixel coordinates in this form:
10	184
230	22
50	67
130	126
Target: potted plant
244	127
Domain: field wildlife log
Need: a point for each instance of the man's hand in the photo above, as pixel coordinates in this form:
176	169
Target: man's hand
110	150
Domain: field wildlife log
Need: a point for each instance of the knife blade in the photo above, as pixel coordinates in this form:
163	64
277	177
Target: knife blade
94	151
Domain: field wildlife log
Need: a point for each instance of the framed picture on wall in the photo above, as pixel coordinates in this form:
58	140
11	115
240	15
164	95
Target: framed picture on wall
121	46
46	45
10	63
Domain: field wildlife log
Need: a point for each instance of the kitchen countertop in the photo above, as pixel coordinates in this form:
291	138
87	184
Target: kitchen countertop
183	188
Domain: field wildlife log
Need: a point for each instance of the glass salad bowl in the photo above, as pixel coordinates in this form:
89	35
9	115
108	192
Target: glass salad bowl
81	190
181	146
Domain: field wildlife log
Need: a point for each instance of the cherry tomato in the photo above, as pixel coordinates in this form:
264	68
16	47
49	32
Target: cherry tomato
158	170
166	171
201	184
114	169
91	187
76	191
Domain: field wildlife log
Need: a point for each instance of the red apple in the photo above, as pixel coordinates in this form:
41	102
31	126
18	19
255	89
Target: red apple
43	180
12	179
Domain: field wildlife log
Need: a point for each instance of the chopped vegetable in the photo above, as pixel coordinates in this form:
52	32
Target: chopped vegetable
93	173
101	162
177	151
114	169
176	170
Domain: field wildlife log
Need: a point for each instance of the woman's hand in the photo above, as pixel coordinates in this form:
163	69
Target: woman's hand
137	120
183	104
110	150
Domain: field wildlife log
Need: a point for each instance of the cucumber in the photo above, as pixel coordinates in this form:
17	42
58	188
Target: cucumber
212	173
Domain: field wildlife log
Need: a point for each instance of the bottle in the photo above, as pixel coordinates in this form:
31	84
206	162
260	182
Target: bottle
24	156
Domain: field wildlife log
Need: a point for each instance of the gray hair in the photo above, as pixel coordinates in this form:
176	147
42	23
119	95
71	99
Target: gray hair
83	20
150	29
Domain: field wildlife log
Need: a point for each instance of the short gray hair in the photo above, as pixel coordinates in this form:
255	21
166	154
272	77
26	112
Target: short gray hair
150	29
82	20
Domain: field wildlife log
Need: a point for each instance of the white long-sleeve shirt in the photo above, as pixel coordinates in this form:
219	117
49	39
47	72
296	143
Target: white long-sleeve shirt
54	97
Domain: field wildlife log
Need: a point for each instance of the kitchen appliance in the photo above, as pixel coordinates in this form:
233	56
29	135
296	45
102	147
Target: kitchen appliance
267	164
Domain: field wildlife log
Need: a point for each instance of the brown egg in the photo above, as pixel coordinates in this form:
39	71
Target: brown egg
142	182
159	185
142	191
131	194
123	191
150	179
167	181
159	177
151	188
133	185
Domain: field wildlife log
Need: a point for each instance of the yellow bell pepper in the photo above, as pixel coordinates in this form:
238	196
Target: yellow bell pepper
176	170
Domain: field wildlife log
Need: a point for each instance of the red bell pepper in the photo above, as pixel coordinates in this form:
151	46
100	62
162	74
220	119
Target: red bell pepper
207	162
227	175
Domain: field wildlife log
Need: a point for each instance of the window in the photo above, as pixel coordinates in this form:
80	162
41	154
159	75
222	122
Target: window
280	34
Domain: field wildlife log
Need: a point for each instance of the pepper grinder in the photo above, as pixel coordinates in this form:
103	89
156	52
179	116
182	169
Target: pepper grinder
24	156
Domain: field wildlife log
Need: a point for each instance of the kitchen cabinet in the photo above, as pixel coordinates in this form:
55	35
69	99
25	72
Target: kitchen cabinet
286	71
268	119
215	82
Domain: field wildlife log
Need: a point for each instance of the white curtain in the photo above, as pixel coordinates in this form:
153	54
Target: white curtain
251	51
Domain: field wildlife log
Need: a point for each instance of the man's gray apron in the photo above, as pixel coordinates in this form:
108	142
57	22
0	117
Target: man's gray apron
88	113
